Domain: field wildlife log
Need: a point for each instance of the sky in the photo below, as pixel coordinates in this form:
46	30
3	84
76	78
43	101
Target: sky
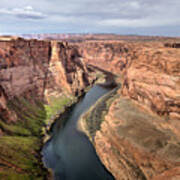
141	17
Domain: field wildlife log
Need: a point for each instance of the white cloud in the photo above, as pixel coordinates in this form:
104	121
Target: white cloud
134	4
27	12
28	8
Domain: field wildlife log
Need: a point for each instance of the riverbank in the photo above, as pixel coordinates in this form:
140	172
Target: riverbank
21	143
20	155
59	108
61	153
56	120
91	120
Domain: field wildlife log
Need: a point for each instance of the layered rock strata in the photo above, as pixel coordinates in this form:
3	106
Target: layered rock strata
139	137
37	78
38	69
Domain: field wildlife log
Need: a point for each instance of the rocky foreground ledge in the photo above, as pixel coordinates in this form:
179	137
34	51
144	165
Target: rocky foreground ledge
138	134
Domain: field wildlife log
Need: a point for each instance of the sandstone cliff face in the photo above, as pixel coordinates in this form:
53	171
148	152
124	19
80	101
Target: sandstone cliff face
149	71
67	67
136	144
153	80
23	68
33	74
139	138
112	56
38	69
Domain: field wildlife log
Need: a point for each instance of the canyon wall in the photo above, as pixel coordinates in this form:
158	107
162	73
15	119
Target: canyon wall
139	136
38	69
112	56
37	79
149	73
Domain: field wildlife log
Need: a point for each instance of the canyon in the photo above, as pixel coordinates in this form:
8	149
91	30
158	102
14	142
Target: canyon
33	75
135	134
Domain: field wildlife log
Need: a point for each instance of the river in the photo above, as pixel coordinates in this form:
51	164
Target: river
69	153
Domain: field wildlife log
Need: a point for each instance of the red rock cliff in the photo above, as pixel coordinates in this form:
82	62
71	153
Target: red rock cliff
38	69
139	137
149	71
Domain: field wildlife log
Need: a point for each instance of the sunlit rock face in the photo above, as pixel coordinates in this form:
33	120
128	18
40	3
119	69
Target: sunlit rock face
67	67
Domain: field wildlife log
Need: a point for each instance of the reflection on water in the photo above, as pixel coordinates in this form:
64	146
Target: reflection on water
69	153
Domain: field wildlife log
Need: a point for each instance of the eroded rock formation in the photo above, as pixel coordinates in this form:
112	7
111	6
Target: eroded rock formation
112	56
139	138
149	72
38	69
33	74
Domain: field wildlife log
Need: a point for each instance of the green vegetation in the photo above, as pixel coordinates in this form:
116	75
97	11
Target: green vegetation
55	105
22	141
18	158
